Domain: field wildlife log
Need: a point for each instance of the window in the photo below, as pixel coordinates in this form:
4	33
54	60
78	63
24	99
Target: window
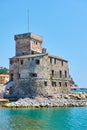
50	60
32	52
11	77
65	74
66	84
62	62
54	61
53	83
23	53
60	74
59	84
21	62
52	72
37	62
11	62
45	83
33	74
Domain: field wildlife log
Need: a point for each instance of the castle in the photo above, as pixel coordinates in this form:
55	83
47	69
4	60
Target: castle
34	71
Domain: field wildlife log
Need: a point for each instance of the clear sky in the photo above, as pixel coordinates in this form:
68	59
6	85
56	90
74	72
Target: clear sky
62	23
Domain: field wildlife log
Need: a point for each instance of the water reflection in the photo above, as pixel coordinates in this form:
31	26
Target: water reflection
43	119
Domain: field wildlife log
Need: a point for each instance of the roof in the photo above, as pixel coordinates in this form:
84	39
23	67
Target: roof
30	56
38	55
57	57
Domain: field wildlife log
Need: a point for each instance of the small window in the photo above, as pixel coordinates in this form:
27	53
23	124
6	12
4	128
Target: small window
37	62
66	84
21	62
45	83
52	72
62	62
54	61
60	73
33	74
50	60
53	83
11	62
65	74
32	52
59	84
11	77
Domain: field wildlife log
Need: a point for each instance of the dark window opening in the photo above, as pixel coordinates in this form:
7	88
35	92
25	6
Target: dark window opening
23	53
37	62
62	62
53	83
65	74
60	84
11	62
66	84
32	52
11	77
21	62
45	83
50	60
33	74
52	72
54	61
60	73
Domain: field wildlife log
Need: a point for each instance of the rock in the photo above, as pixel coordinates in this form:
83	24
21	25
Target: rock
66	96
82	95
73	99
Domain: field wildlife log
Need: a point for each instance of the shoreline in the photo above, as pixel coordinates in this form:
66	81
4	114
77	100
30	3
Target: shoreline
71	100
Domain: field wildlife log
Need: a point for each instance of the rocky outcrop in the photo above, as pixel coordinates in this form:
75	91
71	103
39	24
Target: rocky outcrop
62	100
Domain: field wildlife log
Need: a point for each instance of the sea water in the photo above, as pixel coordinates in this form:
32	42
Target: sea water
74	118
84	90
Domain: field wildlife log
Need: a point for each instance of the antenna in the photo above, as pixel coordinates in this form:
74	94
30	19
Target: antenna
28	18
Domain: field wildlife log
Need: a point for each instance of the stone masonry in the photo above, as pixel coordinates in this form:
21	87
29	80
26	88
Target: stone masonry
34	71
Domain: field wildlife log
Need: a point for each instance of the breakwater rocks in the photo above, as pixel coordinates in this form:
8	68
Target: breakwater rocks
62	100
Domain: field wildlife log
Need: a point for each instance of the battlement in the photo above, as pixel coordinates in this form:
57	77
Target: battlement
29	35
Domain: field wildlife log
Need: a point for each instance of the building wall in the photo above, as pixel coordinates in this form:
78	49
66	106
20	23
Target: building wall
34	74
28	44
4	78
39	75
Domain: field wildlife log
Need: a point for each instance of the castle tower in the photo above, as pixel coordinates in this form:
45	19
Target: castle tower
28	43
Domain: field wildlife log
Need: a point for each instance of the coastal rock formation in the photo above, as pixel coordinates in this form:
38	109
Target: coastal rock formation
62	100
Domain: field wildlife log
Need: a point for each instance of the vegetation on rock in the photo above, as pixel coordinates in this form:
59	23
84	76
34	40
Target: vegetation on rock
3	70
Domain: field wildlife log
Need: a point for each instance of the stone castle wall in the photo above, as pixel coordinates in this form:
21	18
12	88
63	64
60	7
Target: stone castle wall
34	71
35	76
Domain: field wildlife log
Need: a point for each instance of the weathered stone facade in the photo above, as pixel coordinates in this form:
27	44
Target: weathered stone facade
36	72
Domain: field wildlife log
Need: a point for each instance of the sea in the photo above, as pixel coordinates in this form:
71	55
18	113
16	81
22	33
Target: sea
62	118
73	118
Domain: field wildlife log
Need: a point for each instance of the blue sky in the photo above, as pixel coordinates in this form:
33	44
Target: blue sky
62	23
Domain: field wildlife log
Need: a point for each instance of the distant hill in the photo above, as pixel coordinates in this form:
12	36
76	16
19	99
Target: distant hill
3	70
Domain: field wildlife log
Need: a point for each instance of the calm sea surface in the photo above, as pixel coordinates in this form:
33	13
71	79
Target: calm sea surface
44	119
85	90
